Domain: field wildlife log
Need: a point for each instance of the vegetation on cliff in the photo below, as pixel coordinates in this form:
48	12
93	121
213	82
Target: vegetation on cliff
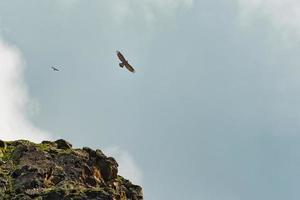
54	170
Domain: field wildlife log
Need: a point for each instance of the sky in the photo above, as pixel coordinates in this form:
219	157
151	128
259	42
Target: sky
211	113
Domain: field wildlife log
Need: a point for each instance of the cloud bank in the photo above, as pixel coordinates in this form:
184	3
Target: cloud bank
284	15
14	98
127	166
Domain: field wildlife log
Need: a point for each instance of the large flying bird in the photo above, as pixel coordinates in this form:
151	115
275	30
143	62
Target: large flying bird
54	69
124	62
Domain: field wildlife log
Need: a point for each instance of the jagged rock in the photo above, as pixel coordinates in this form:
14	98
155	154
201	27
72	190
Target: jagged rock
2	144
108	167
1	155
47	142
54	170
62	144
54	195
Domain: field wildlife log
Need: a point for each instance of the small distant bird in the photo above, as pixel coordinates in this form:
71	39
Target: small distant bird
124	62
54	69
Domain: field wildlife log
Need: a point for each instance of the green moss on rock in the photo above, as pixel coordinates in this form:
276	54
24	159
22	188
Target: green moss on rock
54	170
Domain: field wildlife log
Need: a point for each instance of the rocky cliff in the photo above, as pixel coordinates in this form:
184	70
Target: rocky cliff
55	170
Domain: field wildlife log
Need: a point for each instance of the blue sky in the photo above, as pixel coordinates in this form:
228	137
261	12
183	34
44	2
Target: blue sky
211	113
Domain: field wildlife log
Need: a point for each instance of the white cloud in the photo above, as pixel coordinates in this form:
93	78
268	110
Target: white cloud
14	99
284	15
127	166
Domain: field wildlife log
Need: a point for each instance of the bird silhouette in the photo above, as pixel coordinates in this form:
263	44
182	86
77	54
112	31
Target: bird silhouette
54	69
124	62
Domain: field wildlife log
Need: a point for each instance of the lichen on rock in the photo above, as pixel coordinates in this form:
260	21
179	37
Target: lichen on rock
55	170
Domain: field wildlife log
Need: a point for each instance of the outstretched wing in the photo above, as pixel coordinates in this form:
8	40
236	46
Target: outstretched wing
121	57
129	67
124	62
55	69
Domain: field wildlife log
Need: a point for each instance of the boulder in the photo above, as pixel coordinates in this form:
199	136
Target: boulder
62	144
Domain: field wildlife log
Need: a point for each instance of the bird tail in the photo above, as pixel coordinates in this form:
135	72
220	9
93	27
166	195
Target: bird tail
121	65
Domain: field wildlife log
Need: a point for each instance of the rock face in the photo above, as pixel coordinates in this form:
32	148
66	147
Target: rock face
54	171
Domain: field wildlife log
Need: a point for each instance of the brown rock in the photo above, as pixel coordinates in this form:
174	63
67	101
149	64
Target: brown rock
47	171
62	144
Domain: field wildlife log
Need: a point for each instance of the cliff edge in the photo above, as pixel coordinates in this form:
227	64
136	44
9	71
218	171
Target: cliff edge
56	171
